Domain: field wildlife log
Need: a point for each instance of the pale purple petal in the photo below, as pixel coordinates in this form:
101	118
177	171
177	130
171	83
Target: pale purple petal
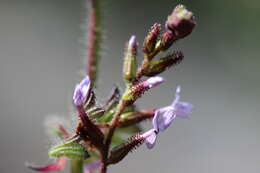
163	118
154	81
183	109
150	138
177	96
85	86
81	91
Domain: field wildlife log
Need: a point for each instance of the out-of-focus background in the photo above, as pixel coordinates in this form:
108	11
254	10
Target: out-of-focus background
41	60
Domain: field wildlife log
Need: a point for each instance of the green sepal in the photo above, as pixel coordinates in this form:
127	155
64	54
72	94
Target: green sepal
70	149
107	116
96	112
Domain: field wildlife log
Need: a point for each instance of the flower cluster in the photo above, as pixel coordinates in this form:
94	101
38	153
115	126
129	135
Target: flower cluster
98	139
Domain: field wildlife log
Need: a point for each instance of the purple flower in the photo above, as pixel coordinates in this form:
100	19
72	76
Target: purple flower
81	92
164	116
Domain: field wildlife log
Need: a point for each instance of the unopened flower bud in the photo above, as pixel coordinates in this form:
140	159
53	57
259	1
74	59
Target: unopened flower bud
167	40
160	65
81	92
130	67
151	39
180	22
119	152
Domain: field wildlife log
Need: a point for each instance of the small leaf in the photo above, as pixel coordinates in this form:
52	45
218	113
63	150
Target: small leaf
70	149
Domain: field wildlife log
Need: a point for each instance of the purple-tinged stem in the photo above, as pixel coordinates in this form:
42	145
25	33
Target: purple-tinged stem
93	39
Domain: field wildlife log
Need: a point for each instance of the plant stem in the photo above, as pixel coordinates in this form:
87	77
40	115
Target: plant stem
93	50
120	108
93	39
76	166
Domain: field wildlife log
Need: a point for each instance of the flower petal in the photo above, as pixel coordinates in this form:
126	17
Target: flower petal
58	165
163	118
182	109
177	96
81	91
150	138
92	166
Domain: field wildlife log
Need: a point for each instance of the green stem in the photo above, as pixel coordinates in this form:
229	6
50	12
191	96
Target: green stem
120	108
76	166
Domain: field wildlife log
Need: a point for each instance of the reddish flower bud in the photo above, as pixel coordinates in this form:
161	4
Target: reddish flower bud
160	65
119	152
180	22
167	40
138	89
151	39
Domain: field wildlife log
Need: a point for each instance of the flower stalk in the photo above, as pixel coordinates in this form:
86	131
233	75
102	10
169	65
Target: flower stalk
94	38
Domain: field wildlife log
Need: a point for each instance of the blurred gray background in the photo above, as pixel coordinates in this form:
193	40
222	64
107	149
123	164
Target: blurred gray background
41	61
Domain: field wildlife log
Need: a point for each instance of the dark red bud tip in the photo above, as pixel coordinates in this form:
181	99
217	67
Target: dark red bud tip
181	22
